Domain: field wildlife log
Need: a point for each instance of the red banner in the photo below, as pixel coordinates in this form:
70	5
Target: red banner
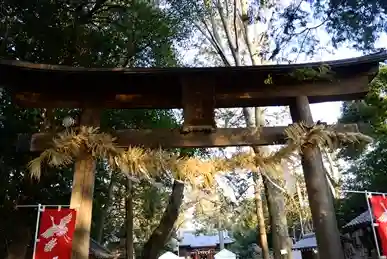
379	209
55	234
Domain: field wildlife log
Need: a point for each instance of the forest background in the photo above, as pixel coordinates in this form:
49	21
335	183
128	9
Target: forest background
173	33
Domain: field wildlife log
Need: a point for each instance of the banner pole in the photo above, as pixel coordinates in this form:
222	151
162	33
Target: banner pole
46	206
353	191
373	223
36	231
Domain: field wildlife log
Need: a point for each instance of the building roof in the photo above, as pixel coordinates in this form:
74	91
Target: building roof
99	251
35	85
364	217
306	243
191	239
309	242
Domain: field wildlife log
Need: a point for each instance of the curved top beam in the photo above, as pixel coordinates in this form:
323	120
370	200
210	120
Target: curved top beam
350	62
42	85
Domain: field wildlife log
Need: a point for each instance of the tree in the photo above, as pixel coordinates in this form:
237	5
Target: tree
359	23
367	170
245	232
119	33
237	33
87	33
162	233
144	202
55	187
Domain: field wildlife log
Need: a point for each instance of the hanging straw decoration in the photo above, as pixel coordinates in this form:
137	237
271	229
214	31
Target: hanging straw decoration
151	163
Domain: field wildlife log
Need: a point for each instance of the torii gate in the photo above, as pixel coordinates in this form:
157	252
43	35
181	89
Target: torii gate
198	91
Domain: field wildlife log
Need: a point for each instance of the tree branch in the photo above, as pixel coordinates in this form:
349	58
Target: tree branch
305	30
212	39
246	36
235	27
233	50
160	235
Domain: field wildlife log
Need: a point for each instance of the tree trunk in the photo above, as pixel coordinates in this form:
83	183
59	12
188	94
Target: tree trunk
301	203
260	216
276	201
220	234
233	46
282	245
105	210
275	198
129	220
161	234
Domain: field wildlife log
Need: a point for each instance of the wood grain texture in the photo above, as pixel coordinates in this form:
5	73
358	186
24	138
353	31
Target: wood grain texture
52	86
82	191
198	107
319	193
263	95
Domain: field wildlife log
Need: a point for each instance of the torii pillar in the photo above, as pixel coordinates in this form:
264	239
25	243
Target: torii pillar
320	200
83	189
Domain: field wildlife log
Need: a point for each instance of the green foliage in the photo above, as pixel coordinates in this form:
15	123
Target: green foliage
268	80
16	187
304	74
369	172
377	98
108	34
368	168
371	111
233	212
245	243
89	34
245	229
294	29
358	22
218	209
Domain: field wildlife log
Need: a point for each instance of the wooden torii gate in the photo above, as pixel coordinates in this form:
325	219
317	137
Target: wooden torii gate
198	91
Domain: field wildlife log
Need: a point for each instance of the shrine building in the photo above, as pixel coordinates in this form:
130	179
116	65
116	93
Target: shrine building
202	246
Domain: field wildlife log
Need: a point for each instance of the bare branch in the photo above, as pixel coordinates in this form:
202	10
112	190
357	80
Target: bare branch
211	38
235	26
234	51
302	46
292	36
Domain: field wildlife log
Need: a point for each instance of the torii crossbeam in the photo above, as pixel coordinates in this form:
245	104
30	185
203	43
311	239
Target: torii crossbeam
198	91
173	138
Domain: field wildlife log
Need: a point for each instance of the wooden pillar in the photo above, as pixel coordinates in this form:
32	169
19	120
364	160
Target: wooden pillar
198	106
320	200
82	191
129	219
